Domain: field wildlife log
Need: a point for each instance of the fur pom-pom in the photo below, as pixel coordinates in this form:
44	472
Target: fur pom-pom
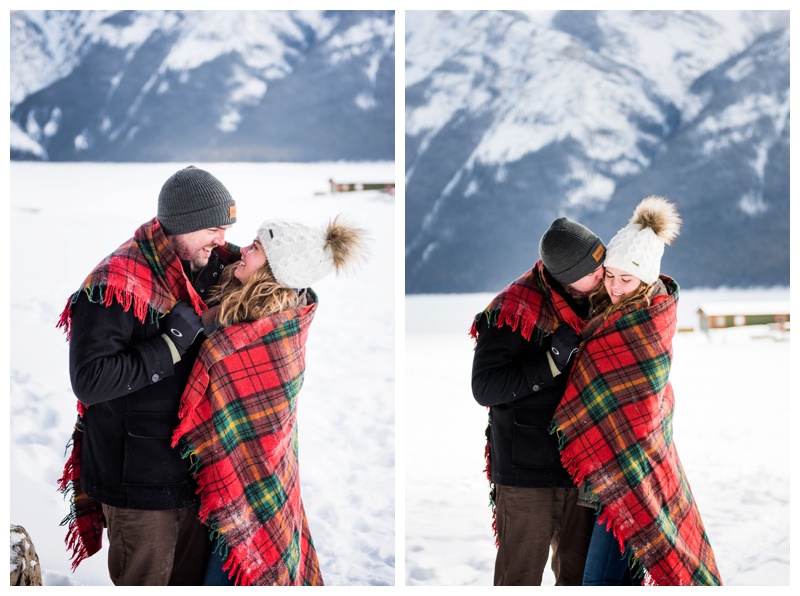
347	243
658	214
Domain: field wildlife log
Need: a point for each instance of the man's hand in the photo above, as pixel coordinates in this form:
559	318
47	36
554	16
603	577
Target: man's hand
183	325
563	345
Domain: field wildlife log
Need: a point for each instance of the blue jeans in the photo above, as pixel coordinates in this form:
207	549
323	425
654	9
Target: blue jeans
215	576
605	564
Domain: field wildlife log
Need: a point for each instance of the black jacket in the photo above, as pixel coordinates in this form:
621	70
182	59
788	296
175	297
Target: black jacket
512	376
122	369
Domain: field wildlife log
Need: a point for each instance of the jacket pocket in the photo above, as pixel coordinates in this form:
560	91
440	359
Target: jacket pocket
149	458
532	445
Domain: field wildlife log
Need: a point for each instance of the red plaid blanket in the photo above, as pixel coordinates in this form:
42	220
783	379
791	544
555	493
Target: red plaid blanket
238	425
615	429
530	304
145	274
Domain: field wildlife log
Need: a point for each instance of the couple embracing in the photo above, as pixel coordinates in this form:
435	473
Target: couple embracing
573	360
186	355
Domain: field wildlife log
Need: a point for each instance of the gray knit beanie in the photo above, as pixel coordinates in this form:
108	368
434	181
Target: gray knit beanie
192	199
570	251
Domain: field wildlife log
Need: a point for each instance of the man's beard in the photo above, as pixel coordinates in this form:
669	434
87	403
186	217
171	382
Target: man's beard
200	259
197	258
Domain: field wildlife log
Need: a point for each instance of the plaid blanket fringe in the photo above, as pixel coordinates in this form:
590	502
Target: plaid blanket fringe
530	305
143	273
614	427
85	519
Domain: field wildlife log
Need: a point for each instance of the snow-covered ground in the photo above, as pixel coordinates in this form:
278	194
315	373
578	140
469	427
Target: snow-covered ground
732	421
732	424
64	218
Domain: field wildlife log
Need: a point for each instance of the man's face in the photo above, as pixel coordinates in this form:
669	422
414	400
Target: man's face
196	247
587	283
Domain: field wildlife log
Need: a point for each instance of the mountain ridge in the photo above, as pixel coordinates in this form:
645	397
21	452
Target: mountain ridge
586	129
202	85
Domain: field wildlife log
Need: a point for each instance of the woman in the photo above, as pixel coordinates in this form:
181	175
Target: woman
238	412
615	421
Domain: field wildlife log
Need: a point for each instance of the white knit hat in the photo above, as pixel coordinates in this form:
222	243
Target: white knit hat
300	255
638	247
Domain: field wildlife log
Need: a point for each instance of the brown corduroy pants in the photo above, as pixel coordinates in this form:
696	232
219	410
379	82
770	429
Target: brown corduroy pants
531	521
156	548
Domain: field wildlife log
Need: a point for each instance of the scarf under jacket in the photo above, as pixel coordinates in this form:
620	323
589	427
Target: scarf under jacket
238	426
145	274
615	431
530	305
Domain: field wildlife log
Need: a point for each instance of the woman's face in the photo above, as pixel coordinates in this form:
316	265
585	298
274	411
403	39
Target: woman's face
619	284
253	259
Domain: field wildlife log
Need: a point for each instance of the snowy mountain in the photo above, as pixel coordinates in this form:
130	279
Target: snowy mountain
202	85
514	119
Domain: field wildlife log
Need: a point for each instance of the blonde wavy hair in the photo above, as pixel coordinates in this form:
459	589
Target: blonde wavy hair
258	297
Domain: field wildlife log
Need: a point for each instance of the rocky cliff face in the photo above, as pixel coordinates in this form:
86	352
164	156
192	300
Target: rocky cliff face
25	567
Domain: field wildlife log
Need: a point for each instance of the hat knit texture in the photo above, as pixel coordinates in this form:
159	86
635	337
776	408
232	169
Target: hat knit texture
570	251
300	255
191	200
638	247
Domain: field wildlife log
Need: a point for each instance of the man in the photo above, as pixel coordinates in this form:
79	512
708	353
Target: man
526	340
134	330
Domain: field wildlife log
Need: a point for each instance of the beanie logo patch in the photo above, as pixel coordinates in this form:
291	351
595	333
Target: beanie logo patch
233	211
598	253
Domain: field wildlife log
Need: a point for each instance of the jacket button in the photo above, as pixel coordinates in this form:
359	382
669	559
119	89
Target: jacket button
535	387
215	274
155	378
